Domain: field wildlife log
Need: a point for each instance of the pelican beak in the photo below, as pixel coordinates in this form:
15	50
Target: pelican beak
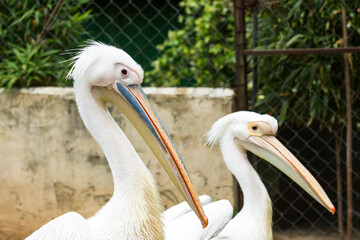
271	149
131	100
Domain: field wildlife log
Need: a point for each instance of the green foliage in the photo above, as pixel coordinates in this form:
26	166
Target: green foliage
202	51
297	87
306	87
31	55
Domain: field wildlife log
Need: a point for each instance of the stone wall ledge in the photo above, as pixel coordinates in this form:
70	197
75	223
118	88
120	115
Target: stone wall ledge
190	92
50	164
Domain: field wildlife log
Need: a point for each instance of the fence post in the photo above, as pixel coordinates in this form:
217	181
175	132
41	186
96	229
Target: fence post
254	158
241	100
255	58
348	127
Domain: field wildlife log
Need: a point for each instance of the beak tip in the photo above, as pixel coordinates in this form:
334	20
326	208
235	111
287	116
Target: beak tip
205	223
333	210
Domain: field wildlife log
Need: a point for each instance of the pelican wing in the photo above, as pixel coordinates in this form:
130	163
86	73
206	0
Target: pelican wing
181	209
70	226
181	223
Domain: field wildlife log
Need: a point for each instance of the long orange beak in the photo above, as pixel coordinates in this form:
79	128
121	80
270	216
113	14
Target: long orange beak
132	101
272	150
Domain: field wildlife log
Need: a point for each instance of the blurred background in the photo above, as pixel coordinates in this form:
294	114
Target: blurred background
193	41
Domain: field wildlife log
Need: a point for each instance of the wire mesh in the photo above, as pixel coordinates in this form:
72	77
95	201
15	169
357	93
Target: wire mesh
307	92
135	26
139	27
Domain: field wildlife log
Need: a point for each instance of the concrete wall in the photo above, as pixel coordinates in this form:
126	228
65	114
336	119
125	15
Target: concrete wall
49	163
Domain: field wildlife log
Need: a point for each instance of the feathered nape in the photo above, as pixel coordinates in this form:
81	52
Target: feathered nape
218	128
79	66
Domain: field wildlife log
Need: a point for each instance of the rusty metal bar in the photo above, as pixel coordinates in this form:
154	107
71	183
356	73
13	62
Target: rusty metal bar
302	51
349	169
254	89
241	101
339	209
255	58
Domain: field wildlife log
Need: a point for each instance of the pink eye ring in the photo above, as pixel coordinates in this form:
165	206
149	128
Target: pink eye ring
124	72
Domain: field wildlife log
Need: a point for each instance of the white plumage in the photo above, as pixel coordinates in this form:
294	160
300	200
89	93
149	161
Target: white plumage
254	221
181	223
104	73
237	133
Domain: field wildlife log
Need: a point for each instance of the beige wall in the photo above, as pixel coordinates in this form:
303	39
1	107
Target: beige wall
49	163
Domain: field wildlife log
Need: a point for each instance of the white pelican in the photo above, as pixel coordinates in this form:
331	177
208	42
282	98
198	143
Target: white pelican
104	73
237	133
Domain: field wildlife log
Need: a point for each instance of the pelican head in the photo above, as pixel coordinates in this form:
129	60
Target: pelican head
113	76
256	133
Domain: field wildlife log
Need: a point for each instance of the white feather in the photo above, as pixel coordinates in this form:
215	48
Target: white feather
254	221
134	211
181	222
182	209
72	225
104	55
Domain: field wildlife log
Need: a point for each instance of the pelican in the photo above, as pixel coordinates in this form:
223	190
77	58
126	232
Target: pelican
104	74
238	133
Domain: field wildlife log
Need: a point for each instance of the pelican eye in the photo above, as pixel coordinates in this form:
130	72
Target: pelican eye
254	128
124	72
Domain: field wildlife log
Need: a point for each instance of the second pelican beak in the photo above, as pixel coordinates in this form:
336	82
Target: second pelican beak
272	150
132	101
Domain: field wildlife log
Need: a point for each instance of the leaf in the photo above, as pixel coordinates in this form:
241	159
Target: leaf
24	63
293	40
19	55
283	110
21	19
340	41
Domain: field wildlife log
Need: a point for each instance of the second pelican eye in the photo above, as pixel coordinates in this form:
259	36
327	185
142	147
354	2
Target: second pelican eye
124	72
254	128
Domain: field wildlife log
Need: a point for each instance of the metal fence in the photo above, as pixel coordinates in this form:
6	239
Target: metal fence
135	26
318	137
139	26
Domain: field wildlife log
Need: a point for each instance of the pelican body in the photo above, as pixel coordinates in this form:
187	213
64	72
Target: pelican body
104	74
238	133
245	131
